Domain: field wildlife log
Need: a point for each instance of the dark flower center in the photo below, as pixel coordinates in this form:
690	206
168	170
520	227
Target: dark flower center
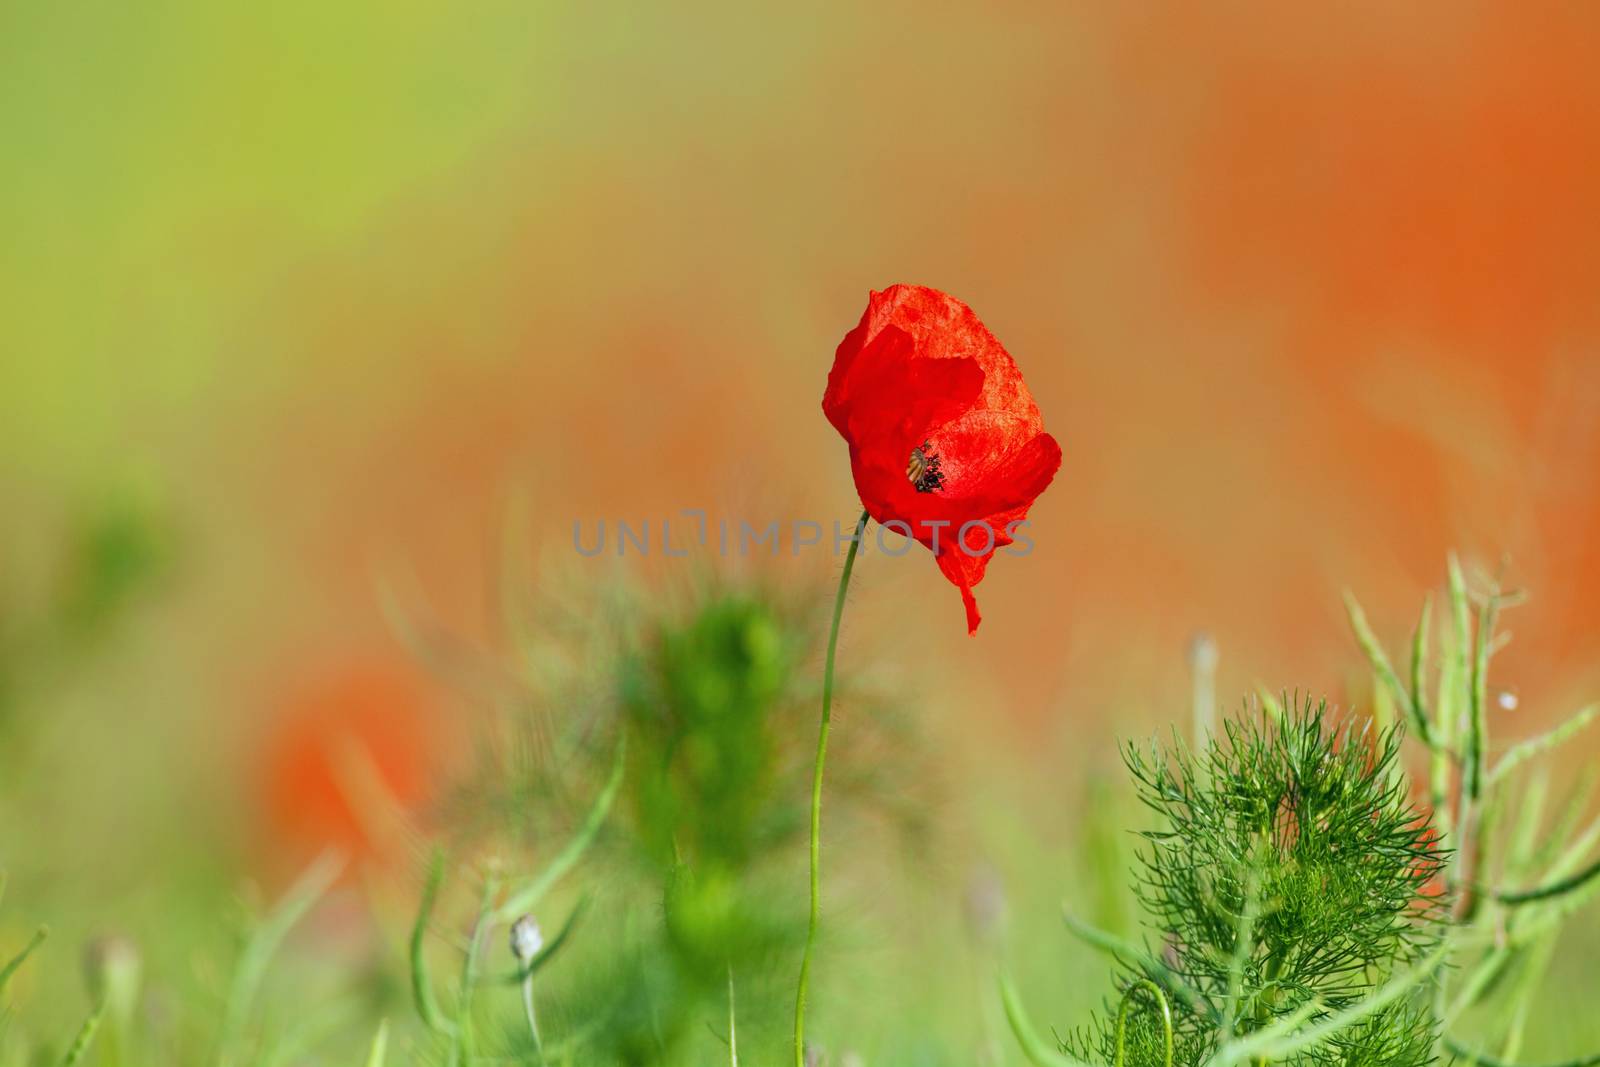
923	469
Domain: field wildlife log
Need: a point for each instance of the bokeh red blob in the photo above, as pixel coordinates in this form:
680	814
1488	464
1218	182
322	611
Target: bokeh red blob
349	758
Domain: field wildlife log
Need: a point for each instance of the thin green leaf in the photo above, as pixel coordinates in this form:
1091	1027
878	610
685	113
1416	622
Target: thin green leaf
1419	659
462	1048
1537	746
522	902
1411	708
85	1036
1033	1046
1130	953
421	980
1558	888
20	958
269	936
380	1045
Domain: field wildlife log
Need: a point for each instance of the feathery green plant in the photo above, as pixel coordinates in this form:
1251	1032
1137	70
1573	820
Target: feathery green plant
1285	882
1307	912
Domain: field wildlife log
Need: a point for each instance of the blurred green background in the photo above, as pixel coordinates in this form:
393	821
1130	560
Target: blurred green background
300	303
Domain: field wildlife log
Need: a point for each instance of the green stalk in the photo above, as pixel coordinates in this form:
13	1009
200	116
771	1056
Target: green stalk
733	1024
20	958
533	1018
380	1045
816	797
421	982
1033	1046
268	936
85	1036
462	1047
523	901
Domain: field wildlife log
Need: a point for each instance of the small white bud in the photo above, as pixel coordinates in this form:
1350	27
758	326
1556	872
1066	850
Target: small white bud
1507	700
526	939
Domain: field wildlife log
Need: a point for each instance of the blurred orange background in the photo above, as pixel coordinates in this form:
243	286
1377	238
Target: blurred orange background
1308	295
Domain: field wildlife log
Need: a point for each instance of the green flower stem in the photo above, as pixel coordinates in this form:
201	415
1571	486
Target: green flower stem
533	1018
816	797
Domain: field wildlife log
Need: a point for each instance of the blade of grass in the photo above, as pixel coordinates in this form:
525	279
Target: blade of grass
269	936
22	957
463	1039
1033	1046
380	1045
421	980
1411	708
1522	994
1529	816
1554	843
85	1037
1480	982
523	901
1130	953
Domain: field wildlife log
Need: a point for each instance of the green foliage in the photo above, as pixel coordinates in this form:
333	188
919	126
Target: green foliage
1287	872
649	807
1291	883
706	702
711	691
1515	876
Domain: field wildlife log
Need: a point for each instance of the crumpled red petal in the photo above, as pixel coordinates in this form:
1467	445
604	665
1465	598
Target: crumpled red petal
921	368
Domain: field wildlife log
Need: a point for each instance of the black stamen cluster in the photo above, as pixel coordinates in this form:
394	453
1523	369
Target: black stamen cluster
932	478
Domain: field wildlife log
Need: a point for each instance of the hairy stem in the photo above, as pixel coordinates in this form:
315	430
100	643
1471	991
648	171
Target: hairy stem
816	797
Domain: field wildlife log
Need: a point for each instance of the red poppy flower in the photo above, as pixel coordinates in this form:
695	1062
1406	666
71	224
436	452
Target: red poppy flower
946	443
